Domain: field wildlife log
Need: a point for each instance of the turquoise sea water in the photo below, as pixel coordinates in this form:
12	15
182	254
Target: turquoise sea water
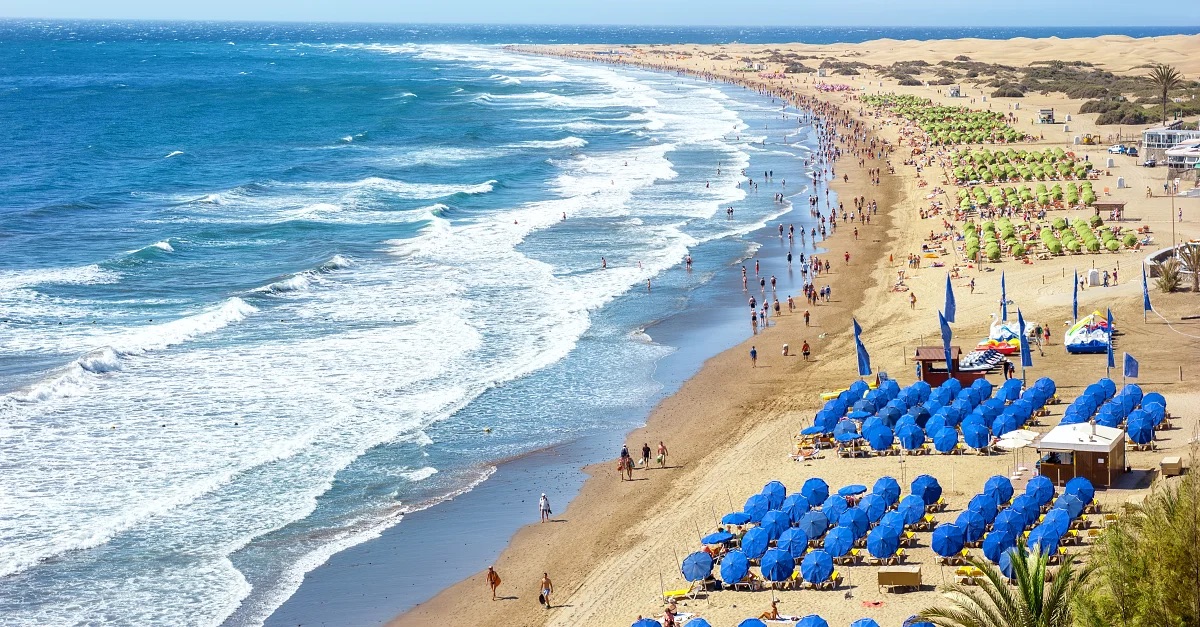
262	288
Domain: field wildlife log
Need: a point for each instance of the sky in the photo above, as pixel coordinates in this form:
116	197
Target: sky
647	12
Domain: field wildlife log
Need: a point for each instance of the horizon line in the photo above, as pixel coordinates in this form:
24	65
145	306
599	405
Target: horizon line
578	24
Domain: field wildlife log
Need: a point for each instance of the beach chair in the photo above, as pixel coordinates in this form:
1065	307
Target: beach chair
962	575
1093	534
682	593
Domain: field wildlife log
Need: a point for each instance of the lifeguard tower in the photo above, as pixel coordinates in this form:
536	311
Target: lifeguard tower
955	91
1045	116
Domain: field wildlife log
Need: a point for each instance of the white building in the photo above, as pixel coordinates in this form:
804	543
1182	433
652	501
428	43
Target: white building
1184	155
1156	140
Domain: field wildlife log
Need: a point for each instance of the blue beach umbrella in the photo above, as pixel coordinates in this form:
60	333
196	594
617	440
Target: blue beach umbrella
814	523
794	541
856	520
880	438
859	415
815	490
911	437
1027	506
752	622
936	423
839	541
882	543
833	507
928	488
775	522
852	489
845	426
757	505
1006	563
976	435
775	493
1070	503
888	488
1041	489
893	520
735	518
812	620
972	524
947	539
1081	487
985	504
813	430
907	420
1058	520
1009	521
864	622
697	622
697	566
647	622
911	509
717	537
846	438
816	567
1044	537
871	423
794	506
945	440
777	565
996	543
734	567
874	505
754	543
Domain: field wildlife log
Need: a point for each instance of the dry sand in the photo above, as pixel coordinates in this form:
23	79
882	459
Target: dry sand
731	428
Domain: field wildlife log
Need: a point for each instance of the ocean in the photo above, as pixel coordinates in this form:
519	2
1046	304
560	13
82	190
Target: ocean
266	289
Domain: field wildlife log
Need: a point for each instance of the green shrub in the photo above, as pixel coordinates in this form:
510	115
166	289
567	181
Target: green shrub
1008	91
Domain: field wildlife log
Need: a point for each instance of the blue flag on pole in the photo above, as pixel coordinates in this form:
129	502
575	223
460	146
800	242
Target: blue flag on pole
949	300
1145	292
1111	362
1075	299
946	340
1131	367
1003	299
864	360
1026	356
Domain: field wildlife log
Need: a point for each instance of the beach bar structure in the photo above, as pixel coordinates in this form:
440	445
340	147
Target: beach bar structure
1082	450
1045	116
933	367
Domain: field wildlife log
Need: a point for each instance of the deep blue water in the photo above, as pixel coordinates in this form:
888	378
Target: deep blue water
263	287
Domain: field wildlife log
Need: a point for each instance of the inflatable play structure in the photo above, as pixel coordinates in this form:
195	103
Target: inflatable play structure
1002	337
1089	335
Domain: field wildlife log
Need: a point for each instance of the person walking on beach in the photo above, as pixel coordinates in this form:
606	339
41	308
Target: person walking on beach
662	454
753	357
645	454
544	507
547	590
806	317
804	350
972	284
912	301
493	581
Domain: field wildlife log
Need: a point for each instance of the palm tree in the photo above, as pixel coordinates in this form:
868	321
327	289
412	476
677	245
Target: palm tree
1189	254
1165	78
1032	602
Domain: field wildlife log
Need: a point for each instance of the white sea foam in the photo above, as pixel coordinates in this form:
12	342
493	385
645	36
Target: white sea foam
174	154
566	142
79	275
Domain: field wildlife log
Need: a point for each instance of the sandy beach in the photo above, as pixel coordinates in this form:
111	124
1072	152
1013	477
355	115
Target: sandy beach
731	428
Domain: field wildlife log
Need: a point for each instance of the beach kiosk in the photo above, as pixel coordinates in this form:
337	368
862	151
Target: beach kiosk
1082	450
933	367
1045	116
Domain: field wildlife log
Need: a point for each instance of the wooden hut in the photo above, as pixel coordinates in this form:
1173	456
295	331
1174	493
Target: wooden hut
1082	450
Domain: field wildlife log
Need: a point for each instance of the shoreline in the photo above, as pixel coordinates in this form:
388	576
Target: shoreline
594	502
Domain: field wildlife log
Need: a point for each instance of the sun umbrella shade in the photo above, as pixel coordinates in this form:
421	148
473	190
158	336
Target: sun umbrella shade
975	435
794	506
817	566
717	537
880	438
1057	519
1006	566
845	426
752	622
864	622
911	437
927	488
697	622
812	620
947	539
1044	537
856	520
852	489
1081	487
912	508
893	520
838	541
1009	521
775	522
777	565
775	493
874	506
735	518
985	504
815	490
1070	503
1000	488
697	566
996	543
882	543
1140	431
647	622
888	488
814	523
972	524
1041	489
945	439
734	567
846	438
833	507
794	541
755	542
757	505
